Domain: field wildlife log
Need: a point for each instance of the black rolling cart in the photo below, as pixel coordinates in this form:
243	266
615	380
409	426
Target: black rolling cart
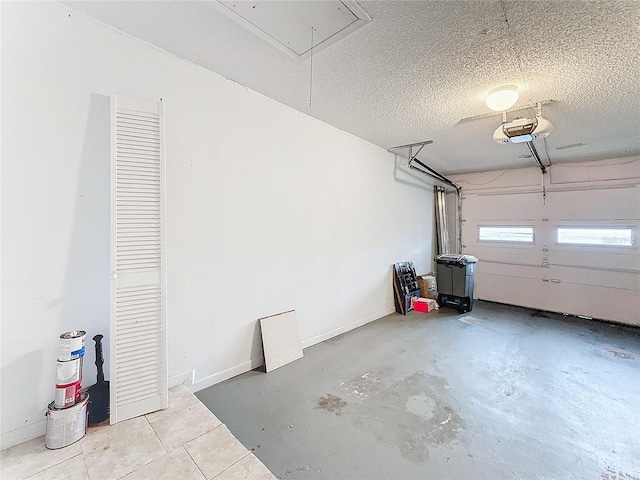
455	276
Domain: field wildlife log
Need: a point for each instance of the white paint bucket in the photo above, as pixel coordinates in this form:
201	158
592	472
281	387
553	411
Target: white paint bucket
71	345
67	395
66	426
69	371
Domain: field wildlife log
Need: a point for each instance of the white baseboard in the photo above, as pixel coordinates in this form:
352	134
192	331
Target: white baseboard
226	374
29	432
23	434
218	377
184	378
339	331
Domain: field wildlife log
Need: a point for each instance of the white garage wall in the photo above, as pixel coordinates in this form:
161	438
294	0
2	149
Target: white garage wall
267	210
599	282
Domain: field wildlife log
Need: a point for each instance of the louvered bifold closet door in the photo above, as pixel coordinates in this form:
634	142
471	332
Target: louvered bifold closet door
138	322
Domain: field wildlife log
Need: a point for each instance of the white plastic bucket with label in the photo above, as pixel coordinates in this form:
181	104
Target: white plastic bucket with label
68	425
67	395
69	371
71	345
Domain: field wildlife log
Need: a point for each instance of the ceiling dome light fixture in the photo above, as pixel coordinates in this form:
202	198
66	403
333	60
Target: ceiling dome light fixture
502	98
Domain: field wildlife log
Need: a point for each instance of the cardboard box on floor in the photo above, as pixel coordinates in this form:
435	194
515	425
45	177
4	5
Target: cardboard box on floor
428	286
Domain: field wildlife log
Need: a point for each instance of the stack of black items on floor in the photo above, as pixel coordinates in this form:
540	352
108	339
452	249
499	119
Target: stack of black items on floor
405	286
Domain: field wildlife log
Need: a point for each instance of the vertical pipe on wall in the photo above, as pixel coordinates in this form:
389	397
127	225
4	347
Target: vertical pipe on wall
442	229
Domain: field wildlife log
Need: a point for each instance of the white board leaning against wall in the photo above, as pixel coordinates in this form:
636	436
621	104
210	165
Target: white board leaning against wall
138	277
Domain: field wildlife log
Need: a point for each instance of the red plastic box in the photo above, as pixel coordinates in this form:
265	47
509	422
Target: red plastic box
420	304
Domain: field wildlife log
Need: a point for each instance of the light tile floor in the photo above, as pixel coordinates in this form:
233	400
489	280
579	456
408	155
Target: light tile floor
185	441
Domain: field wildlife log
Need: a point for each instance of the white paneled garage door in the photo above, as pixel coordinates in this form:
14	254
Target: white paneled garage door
596	276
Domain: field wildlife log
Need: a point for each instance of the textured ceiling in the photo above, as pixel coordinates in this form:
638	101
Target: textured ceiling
421	66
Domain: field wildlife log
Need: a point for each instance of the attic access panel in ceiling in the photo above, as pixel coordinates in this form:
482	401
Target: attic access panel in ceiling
287	25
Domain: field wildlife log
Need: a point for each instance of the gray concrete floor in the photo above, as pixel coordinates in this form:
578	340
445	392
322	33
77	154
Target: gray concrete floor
499	392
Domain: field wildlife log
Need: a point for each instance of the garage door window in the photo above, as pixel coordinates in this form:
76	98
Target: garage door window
599	236
518	234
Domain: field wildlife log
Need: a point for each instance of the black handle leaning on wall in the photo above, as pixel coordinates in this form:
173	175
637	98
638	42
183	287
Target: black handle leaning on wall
99	357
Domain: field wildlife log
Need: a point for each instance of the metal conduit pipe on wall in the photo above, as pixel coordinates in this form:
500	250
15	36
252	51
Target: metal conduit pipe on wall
419	166
432	173
442	229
